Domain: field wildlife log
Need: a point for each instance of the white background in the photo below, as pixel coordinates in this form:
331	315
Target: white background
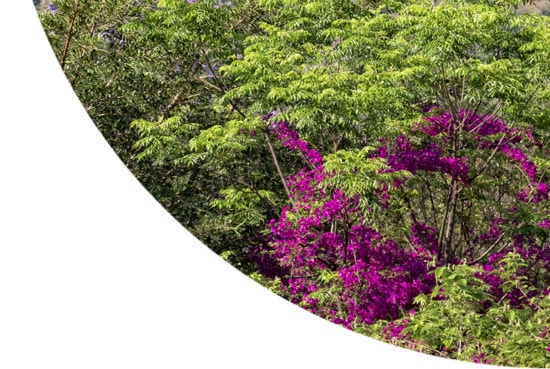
95	274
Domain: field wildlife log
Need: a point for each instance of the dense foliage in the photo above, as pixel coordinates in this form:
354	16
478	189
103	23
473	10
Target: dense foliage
382	163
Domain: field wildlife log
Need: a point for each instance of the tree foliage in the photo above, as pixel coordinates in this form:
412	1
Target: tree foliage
381	163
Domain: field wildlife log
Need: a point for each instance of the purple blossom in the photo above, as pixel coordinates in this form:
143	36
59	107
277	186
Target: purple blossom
378	277
476	125
428	159
53	8
428	108
210	72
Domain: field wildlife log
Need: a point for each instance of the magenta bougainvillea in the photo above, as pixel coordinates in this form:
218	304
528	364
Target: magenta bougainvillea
324	231
334	263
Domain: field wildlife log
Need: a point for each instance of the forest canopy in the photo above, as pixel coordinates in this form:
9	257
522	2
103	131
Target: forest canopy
382	164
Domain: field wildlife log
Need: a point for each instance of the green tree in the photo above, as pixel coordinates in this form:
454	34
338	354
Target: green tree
455	322
197	77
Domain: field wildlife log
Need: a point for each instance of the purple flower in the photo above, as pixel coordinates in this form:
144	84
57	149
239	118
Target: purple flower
380	278
53	8
542	190
208	71
428	108
375	276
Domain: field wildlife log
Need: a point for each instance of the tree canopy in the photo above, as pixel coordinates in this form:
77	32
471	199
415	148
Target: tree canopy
381	163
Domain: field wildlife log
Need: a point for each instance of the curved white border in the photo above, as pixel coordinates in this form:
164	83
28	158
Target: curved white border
95	274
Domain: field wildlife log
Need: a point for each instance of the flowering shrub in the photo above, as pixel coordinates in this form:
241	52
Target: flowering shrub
338	266
333	262
468	323
479	129
461	189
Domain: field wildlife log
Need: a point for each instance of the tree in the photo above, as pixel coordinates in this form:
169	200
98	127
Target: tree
420	128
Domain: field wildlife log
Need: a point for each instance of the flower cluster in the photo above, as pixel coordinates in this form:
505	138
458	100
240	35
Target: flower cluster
481	359
479	128
429	159
424	238
534	253
323	232
468	121
332	262
53	8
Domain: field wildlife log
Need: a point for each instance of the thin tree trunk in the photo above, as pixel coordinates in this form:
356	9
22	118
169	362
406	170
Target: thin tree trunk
447	240
222	89
276	162
63	59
